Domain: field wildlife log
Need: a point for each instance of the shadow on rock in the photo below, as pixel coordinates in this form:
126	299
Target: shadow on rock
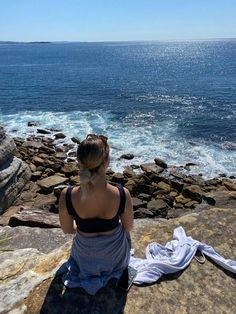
60	299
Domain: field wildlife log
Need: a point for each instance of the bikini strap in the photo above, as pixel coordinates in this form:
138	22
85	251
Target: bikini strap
69	205
122	199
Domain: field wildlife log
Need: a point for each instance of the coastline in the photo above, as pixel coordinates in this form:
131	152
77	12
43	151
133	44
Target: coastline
34	249
158	190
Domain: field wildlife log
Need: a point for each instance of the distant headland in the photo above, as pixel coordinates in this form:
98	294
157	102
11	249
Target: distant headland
23	42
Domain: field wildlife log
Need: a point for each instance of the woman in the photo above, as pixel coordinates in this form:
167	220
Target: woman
101	216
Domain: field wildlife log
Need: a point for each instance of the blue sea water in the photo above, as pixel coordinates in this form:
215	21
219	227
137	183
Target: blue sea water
173	100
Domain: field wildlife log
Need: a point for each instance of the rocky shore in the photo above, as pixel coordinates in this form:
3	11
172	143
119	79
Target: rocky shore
158	190
33	171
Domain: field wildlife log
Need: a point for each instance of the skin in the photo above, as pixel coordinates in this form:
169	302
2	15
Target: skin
103	202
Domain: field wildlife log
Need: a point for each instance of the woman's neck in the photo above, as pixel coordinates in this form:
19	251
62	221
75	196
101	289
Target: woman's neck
100	181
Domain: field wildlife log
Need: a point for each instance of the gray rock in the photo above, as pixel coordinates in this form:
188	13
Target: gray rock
7	150
44	240
118	178
137	203
43	131
143	213
32	144
12	180
158	207
127	156
151	167
194	192
35	218
161	163
59	135
75	140
2	134
31	280
48	184
36	175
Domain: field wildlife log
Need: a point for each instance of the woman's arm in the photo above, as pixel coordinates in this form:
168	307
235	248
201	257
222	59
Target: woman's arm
127	218
67	222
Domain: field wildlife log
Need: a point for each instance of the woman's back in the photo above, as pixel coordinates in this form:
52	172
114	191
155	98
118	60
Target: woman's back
101	202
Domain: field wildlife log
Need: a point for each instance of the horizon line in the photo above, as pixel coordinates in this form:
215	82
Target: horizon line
118	41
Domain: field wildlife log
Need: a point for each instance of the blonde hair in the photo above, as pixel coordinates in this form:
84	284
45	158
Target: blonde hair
91	154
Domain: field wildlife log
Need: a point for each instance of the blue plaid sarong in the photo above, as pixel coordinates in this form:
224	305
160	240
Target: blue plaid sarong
94	260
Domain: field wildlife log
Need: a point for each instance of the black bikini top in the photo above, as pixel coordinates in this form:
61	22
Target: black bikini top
91	225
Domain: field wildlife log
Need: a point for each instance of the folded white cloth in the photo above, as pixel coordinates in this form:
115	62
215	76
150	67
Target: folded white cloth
173	257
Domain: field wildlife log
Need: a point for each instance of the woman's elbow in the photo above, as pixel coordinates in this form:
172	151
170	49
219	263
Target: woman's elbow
128	227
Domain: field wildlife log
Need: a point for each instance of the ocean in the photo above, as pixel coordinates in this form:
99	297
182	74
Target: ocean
172	100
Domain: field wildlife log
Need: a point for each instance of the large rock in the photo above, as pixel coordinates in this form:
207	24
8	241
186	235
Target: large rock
12	180
151	167
7	147
48	184
14	173
29	284
161	163
22	237
158	207
194	192
35	218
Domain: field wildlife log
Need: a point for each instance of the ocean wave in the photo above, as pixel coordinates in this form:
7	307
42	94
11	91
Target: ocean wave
136	133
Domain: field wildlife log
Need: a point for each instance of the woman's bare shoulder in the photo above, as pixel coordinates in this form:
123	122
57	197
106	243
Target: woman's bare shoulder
112	189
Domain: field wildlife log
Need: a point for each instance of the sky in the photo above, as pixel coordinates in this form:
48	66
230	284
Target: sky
116	20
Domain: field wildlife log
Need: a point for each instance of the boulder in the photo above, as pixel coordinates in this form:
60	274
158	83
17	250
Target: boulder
127	156
143	213
33	168
2	134
75	140
194	192
181	199
38	161
7	149
75	180
48	184
128	173
43	131
151	167
189	165
44	240
70	169
35	218
14	173
158	207
144	197
31	274
138	203
130	185
59	135
161	163
177	185
144	188
231	186
32	144
173	194
164	186
36	175
60	156
118	178
157	178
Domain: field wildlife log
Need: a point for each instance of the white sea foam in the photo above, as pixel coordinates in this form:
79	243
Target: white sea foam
138	133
